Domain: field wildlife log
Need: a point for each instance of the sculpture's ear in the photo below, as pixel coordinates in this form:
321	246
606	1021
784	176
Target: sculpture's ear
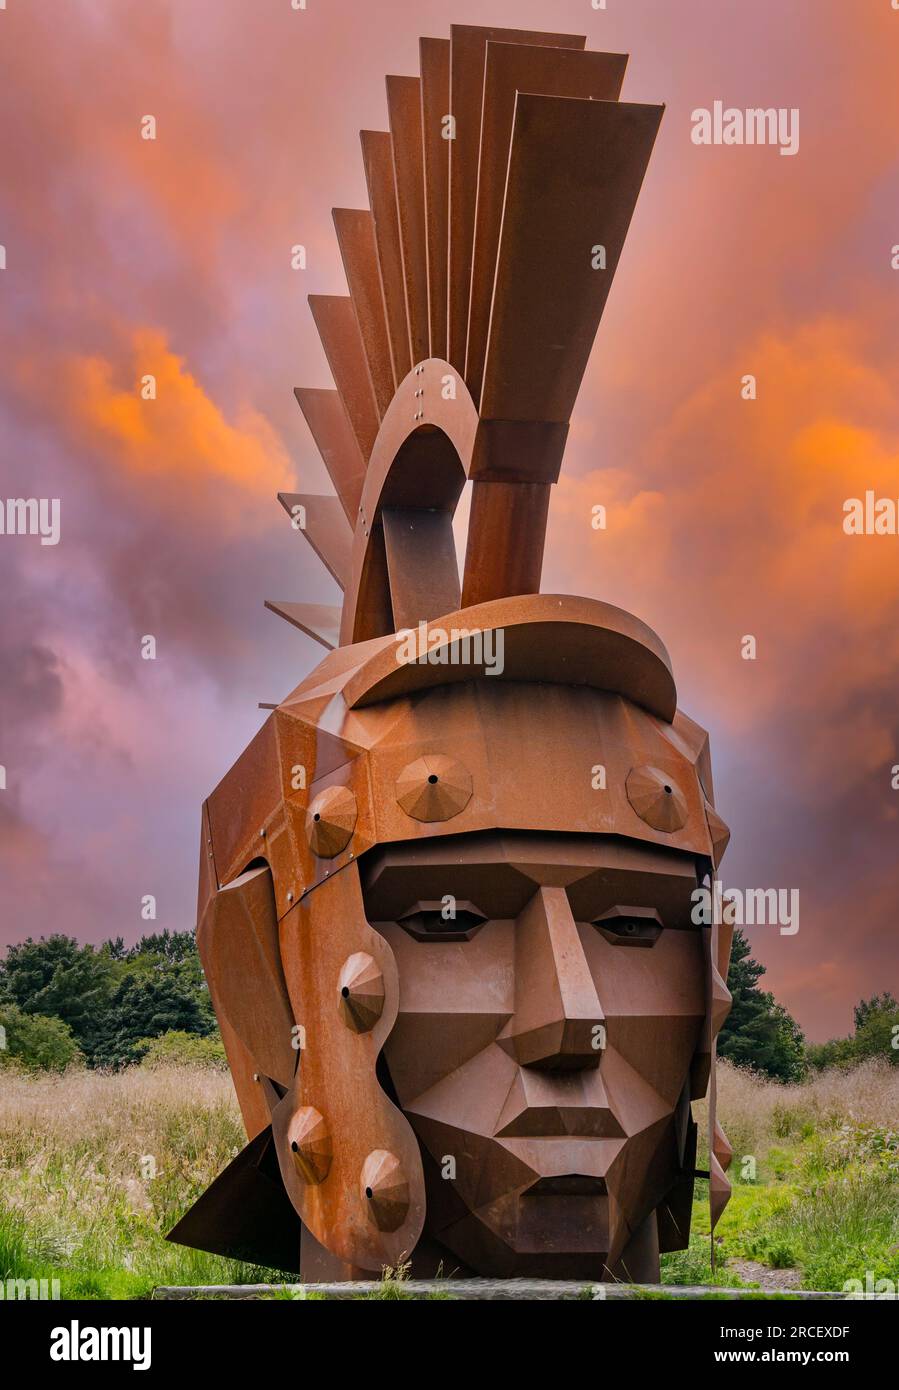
716	944
719	997
348	1157
675	1213
237	940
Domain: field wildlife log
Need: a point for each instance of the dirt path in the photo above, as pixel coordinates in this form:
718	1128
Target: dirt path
753	1273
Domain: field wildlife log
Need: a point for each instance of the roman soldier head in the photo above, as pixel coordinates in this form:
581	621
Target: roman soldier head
448	893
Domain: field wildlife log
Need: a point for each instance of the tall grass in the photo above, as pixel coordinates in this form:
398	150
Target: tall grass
758	1114
95	1169
815	1173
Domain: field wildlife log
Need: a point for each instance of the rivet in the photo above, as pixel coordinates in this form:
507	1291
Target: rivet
330	821
360	992
385	1190
310	1145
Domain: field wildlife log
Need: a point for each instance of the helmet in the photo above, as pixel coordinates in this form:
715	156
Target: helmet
447	893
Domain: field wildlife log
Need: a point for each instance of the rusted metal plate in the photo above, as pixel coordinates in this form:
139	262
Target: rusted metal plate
319	621
468	48
421	563
338	329
336	442
435	111
575	171
208	886
377	158
238	945
548	636
242	800
512	68
324	525
718	1007
426	441
506	532
246	1214
404	109
355	230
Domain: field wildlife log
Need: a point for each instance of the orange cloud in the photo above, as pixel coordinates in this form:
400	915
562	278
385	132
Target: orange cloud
181	440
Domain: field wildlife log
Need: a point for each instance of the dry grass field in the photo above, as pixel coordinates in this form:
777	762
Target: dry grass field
94	1168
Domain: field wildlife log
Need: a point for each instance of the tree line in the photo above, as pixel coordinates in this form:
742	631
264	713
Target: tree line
62	1002
112	1005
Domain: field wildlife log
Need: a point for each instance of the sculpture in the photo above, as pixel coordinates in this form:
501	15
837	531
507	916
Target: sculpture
445	905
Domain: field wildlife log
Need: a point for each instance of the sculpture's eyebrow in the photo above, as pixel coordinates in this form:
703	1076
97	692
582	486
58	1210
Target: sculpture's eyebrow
396	886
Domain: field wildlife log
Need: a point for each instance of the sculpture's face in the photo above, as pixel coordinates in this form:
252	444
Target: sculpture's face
544	1036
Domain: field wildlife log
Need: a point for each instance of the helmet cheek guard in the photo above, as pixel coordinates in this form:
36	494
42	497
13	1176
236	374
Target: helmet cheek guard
304	1006
348	1157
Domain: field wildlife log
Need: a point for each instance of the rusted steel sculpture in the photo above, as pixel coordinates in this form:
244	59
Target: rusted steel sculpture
446	899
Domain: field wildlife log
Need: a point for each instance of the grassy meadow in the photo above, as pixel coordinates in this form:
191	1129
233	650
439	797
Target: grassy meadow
95	1167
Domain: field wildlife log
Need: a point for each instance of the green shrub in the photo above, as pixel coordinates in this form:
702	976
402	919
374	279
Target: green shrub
843	1227
34	1042
179	1049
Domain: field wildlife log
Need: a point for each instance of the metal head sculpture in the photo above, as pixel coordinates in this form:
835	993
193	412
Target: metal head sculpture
446	893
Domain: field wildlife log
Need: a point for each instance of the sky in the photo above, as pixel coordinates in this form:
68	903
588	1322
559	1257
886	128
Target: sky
125	256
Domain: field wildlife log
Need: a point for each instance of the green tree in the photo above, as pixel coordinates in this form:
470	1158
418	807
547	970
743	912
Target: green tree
111	996
174	947
876	1035
60	979
175	955
838	1052
759	1032
877	1029
145	1006
35	1042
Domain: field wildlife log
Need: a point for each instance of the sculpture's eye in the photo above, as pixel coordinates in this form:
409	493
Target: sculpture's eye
630	927
442	921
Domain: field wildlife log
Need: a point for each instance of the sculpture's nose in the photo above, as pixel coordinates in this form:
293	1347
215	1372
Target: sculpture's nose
558	1021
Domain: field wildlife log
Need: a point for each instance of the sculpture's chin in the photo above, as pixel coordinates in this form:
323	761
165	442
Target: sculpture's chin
567	1224
532	1225
551	1237
562	1228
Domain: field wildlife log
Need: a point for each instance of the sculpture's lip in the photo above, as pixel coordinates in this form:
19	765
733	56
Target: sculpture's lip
568	1185
574	1122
